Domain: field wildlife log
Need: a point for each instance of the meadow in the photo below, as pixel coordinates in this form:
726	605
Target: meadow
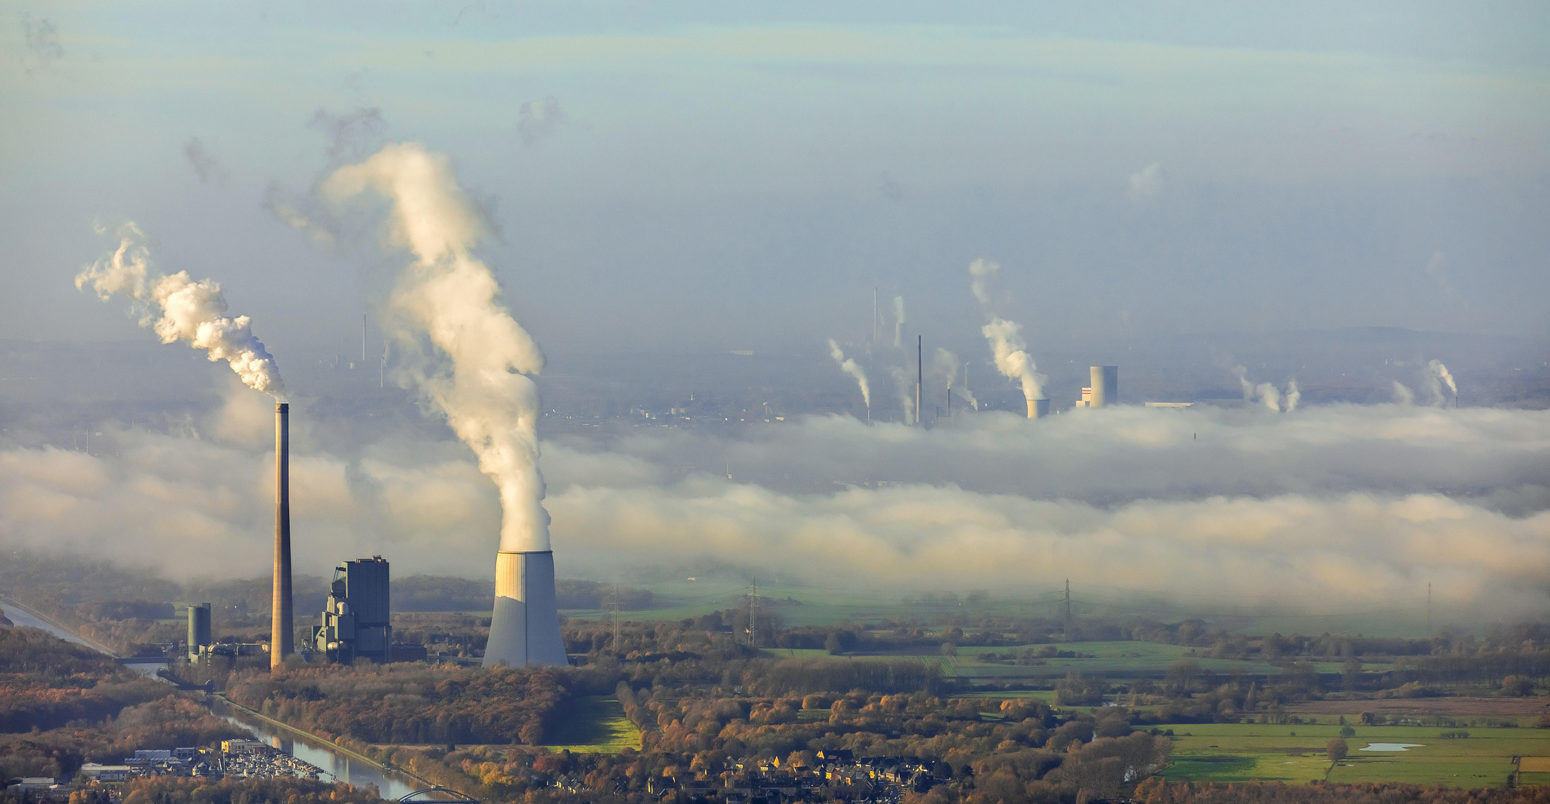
1232	752
594	723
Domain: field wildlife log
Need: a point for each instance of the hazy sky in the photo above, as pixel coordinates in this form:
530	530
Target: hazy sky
718	176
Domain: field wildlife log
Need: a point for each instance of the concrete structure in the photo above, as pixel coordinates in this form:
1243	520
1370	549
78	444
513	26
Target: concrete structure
1038	408
1105	380
198	628
525	626
1104	390
357	624
282	628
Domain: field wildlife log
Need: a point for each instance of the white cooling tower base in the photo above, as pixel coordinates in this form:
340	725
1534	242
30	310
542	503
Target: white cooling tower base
525	626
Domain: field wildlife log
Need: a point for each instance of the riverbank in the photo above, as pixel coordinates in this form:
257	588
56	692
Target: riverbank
61	629
318	738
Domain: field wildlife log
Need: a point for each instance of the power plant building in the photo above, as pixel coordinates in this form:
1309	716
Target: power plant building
1104	390
357	622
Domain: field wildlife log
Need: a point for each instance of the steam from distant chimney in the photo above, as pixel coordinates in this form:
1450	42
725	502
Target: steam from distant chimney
178	308
1402	394
1267	394
849	366
1438	373
450	299
1006	342
903	386
898	322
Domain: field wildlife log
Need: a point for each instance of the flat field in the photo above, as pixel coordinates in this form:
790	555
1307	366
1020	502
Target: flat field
594	724
1227	752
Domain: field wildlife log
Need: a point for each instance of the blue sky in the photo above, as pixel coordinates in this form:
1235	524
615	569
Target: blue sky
713	175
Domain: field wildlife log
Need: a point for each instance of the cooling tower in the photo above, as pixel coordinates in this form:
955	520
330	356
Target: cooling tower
282	632
1038	408
1105	382
525	627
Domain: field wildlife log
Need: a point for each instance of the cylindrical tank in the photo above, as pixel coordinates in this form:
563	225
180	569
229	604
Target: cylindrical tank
1105	384
198	627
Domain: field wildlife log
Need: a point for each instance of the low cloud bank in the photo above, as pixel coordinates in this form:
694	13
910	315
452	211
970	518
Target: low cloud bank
1337	509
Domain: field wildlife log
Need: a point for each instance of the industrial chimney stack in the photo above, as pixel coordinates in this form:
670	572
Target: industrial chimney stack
282	631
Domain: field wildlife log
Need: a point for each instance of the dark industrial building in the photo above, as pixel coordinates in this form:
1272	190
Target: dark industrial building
357	622
198	628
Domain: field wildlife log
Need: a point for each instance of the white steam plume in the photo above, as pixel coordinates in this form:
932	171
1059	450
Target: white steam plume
980	273
1438	373
945	365
898	322
904	386
447	296
1006	341
1402	394
178	308
849	366
1011	356
1267	394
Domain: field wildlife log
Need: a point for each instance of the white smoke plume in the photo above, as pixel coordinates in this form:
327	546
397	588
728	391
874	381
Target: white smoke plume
849	366
1006	340
1402	394
963	389
1438	374
1267	394
904	387
480	375
944	367
1011	356
178	308
898	322
981	271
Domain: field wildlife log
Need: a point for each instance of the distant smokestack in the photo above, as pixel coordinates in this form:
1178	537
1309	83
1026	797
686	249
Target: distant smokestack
525	626
282	631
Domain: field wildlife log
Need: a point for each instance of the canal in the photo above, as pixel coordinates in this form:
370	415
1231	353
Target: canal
390	786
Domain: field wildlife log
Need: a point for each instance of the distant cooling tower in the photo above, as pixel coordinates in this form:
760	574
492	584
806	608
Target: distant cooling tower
282	632
1105	383
1038	408
525	628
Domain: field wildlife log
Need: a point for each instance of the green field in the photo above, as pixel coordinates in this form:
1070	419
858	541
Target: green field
593	723
1119	659
1230	752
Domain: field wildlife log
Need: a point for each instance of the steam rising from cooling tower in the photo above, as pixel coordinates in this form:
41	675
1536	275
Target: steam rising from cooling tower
1437	374
480	378
1005	337
1402	394
476	371
179	308
849	366
1267	394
